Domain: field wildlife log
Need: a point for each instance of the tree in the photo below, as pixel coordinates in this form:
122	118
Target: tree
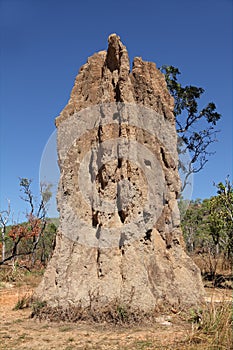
195	126
4	219
25	238
208	228
221	218
195	225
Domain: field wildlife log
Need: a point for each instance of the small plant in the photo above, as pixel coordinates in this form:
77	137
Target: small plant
196	316
122	313
143	345
17	321
22	336
22	303
65	329
37	306
70	339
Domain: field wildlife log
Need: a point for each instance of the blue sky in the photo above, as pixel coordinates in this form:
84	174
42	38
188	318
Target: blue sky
43	43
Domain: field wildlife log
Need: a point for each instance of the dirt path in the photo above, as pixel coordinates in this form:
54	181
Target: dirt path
19	331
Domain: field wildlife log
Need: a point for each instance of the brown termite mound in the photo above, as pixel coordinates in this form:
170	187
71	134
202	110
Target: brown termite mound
119	238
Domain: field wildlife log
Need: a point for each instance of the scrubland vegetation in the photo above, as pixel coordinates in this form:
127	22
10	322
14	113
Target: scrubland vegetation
26	247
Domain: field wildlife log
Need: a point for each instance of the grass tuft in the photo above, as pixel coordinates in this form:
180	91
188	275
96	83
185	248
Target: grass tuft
212	327
23	303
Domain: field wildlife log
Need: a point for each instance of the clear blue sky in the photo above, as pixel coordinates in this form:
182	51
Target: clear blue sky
44	42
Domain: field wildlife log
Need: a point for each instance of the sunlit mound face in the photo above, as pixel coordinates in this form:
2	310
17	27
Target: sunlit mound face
113	177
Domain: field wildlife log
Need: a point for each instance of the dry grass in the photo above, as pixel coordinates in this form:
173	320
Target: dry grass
115	327
216	271
19	276
213	328
23	302
113	313
207	328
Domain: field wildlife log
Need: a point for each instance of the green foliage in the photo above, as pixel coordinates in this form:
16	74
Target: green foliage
221	217
43	251
37	306
195	315
210	219
122	313
208	226
208	230
195	225
144	345
195	126
34	240
185	99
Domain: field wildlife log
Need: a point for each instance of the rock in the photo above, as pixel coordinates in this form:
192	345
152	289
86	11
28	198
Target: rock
119	239
164	320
